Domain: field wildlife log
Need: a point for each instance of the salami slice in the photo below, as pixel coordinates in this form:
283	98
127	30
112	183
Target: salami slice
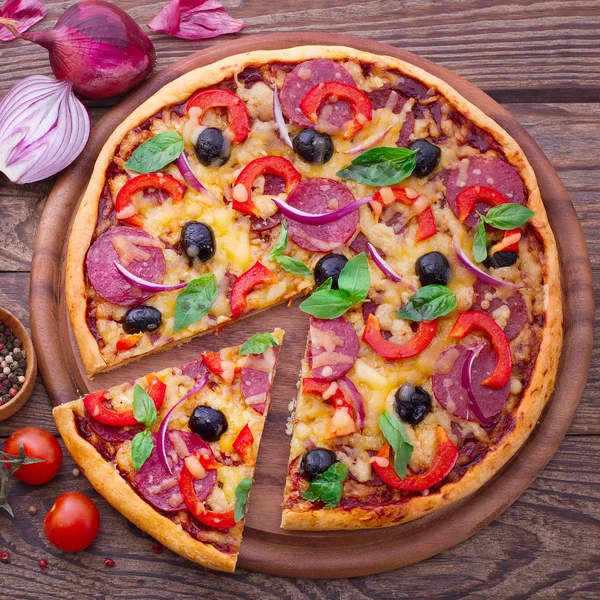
303	78
105	278
316	196
258	224
516	305
490	172
257	382
332	348
194	369
160	489
111	433
406	131
450	393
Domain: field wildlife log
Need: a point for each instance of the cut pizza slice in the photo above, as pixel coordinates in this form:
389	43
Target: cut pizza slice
175	451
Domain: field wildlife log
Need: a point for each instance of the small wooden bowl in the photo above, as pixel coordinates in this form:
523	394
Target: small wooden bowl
10	408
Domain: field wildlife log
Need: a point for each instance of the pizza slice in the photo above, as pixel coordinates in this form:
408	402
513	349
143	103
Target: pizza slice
174	451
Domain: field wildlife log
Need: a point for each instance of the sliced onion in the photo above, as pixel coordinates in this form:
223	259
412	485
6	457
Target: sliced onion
371	141
283	130
147	285
319	219
477	272
467	383
186	172
386	269
162	430
352	395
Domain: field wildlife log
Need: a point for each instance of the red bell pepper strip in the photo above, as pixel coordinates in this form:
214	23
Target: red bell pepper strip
128	341
478	321
359	103
425	221
443	462
422	338
265	165
245	283
244	445
239	124
218	519
95	404
213	361
208	462
161	181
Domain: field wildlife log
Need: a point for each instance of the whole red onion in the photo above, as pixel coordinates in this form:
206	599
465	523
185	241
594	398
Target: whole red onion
98	47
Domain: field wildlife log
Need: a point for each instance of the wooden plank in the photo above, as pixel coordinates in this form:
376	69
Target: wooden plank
518	50
543	547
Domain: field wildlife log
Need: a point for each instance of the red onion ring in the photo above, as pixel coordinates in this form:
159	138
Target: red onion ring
355	398
147	285
162	430
386	269
477	272
279	120
467	383
188	175
319	219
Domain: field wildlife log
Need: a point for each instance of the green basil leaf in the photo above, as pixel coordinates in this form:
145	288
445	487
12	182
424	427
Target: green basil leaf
326	304
281	243
326	285
293	266
241	498
396	435
381	166
355	279
507	216
141	448
144	409
195	301
480	243
429	303
156	153
328	487
258	343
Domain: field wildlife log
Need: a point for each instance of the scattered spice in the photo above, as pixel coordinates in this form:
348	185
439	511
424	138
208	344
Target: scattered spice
157	548
109	562
43	563
4	556
32	510
13	364
76	472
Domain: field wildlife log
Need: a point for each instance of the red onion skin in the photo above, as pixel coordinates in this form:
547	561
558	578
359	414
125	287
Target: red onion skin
99	48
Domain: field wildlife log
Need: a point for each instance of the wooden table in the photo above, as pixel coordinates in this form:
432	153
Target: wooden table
542	61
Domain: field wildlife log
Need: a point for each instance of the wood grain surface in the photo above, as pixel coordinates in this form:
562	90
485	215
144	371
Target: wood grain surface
542	58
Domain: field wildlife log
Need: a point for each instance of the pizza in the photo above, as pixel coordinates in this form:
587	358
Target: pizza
410	221
174	451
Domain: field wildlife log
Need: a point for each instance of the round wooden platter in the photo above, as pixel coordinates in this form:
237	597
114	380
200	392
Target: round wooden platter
266	547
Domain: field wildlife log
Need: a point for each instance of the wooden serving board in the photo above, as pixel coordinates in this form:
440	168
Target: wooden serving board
266	547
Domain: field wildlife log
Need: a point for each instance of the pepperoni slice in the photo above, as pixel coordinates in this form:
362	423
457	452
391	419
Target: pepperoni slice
257	382
258	224
303	78
333	347
160	489
516	305
490	172
316	196
450	392
194	369
110	433
105	278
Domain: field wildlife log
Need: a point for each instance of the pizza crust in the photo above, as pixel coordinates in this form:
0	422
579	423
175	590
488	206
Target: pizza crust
542	380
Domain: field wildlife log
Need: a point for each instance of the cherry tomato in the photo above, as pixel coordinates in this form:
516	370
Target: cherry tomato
37	443
72	523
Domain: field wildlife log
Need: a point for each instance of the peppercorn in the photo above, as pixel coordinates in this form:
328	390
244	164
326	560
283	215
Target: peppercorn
43	563
4	556
109	562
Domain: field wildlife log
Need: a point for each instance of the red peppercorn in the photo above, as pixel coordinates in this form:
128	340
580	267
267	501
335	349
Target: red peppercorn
12	392
156	548
43	563
4	556
109	562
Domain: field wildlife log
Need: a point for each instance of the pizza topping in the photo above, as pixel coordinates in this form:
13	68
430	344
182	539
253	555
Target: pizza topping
413	403
318	196
256	276
270	165
313	146
244	445
331	365
257	378
279	120
156	153
124	203
316	461
306	76
212	147
450	392
433	268
386	269
158	487
515	305
336	91
380	166
329	266
443	462
112	433
141	318
197	241
225	369
188	174
428	157
259	224
143	284
328	487
428	303
209	423
354	398
239	125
